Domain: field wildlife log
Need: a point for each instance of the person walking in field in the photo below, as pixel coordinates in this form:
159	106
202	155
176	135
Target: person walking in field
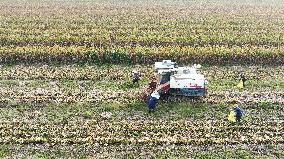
242	81
237	111
243	78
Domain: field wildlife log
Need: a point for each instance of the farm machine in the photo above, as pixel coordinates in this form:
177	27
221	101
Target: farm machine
173	80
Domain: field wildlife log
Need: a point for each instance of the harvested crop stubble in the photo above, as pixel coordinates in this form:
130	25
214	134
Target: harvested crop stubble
22	95
71	72
118	72
158	132
148	151
71	83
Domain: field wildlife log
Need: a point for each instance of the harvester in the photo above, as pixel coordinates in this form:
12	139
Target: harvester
179	81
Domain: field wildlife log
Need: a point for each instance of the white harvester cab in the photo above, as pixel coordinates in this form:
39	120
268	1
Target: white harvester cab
186	81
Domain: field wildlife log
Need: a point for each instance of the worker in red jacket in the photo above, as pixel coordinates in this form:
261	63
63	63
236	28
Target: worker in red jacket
150	89
152	85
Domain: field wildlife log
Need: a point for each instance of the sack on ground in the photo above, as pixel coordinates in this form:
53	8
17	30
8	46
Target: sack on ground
240	85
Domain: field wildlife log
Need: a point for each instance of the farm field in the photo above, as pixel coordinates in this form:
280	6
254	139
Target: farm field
63	64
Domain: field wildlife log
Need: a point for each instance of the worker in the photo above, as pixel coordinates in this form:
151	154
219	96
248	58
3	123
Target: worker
151	88
237	110
152	85
243	78
206	86
135	76
152	101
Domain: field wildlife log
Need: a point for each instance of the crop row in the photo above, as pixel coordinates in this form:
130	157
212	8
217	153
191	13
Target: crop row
173	25
141	55
118	72
108	33
20	95
124	132
124	37
146	151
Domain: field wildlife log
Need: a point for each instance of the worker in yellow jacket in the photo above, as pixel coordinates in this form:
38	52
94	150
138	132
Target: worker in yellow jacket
236	114
242	81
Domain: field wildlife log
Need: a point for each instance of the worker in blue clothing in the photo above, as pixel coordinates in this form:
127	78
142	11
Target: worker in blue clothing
152	101
238	111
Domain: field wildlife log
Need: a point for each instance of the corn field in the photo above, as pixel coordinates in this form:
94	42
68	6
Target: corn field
66	89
